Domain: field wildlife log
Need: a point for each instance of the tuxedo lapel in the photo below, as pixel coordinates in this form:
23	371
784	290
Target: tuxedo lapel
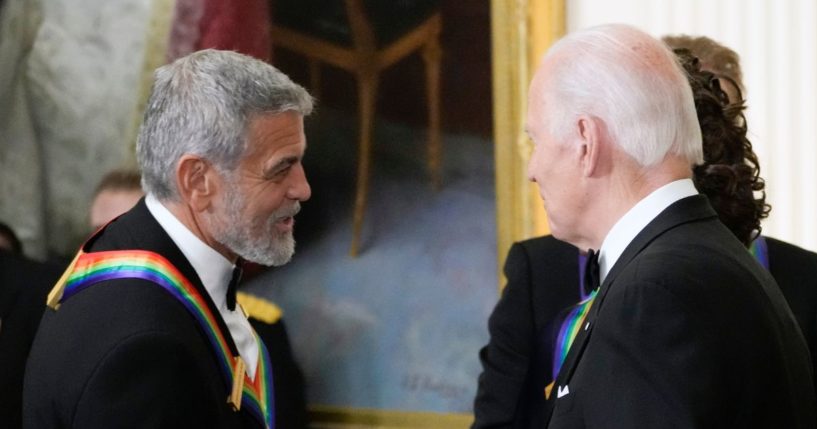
138	230
685	210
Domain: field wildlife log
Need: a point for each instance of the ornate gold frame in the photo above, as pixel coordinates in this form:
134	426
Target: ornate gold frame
521	30
323	417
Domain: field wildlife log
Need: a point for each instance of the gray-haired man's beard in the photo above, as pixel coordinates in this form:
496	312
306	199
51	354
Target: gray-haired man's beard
258	242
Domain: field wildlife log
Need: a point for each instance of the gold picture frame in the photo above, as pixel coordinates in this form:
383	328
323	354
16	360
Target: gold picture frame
323	417
521	31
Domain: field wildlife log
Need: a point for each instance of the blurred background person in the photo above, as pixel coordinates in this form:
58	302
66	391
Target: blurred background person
117	192
9	241
24	285
731	174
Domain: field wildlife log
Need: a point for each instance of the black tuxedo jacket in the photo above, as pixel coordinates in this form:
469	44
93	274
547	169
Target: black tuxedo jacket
24	285
125	353
795	270
543	279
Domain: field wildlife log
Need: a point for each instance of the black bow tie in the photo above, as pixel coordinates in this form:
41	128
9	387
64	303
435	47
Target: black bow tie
233	285
591	272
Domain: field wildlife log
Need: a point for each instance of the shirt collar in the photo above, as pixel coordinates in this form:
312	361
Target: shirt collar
212	267
641	214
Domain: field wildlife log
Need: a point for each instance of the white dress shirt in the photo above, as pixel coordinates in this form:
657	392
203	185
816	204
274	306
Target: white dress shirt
215	272
641	214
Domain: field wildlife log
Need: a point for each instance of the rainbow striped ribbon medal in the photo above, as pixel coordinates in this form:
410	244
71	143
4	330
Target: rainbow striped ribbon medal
256	396
760	250
569	329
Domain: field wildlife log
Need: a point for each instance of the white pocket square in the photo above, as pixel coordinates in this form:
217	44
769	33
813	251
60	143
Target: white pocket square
562	391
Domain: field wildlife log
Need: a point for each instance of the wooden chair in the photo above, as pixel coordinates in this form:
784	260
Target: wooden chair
365	49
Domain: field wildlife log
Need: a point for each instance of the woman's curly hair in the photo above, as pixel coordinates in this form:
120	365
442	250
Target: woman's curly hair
730	173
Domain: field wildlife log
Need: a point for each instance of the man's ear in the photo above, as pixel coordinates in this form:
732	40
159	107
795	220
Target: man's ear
590	144
197	181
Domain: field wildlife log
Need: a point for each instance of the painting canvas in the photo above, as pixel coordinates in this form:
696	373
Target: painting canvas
399	326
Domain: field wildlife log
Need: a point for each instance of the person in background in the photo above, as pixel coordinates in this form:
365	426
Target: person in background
715	58
546	276
24	284
9	241
794	268
143	329
117	192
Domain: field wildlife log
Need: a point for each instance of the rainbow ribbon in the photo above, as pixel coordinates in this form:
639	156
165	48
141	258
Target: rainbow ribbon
569	329
760	250
90	268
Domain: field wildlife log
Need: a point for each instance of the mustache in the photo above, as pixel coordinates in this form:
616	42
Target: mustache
285	212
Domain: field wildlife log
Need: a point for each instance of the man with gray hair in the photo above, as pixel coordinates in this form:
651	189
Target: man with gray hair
681	327
142	330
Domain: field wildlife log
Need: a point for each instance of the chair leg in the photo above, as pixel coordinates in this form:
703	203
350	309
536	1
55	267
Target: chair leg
315	77
431	56
367	96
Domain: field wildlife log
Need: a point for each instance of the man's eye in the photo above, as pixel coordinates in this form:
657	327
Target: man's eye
279	172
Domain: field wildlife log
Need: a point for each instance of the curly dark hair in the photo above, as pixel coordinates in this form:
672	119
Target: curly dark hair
714	57
730	173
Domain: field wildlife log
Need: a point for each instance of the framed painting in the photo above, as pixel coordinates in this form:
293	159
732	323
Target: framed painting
390	337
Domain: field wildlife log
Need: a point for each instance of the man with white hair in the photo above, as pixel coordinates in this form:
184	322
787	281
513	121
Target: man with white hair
682	328
142	329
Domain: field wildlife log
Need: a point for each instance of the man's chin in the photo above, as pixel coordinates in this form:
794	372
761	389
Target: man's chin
558	233
279	253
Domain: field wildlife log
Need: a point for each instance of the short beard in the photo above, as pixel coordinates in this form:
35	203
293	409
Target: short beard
254	241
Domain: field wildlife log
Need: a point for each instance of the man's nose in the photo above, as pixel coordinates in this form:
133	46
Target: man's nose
299	188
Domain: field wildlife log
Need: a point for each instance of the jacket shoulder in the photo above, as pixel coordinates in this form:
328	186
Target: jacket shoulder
546	244
259	308
786	256
545	258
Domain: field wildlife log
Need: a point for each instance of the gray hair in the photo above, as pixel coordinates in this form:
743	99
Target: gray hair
202	104
630	81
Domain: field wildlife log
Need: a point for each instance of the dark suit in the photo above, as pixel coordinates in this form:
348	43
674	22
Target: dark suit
125	353
24	285
795	271
517	361
543	279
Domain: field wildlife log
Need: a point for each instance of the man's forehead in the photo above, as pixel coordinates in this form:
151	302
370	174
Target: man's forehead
286	128
537	93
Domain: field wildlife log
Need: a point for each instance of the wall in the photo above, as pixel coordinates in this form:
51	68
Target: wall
776	41
73	67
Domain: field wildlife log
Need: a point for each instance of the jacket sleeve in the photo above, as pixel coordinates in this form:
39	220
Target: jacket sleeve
506	358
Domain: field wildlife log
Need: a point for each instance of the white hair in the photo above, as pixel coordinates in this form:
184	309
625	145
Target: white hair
202	104
630	81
